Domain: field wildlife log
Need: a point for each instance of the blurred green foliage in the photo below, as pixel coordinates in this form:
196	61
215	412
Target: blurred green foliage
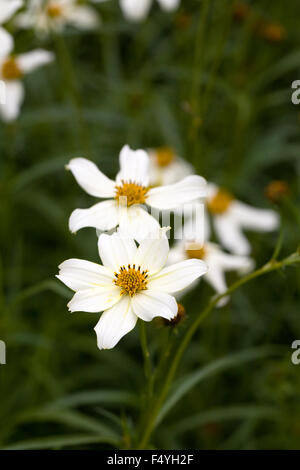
212	85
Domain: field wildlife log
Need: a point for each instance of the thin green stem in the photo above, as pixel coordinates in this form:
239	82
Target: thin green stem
272	265
72	86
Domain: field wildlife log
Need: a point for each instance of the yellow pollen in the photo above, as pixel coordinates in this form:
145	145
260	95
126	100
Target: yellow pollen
195	250
11	70
54	10
220	202
135	193
131	280
164	156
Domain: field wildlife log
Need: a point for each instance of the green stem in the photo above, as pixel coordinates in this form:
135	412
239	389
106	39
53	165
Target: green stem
72	87
272	265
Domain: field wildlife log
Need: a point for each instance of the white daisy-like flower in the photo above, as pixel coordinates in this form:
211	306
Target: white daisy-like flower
132	283
12	69
137	10
7	10
166	167
129	195
230	217
218	263
53	15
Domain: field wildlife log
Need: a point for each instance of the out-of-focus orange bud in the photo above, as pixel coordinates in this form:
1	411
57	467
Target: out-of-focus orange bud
272	32
176	320
276	190
183	20
241	11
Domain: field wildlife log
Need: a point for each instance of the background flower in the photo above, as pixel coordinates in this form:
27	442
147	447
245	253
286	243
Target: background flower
12	69
7	10
137	10
166	167
230	217
54	15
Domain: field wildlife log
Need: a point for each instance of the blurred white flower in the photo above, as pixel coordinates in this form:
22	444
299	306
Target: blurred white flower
54	15
12	69
218	263
132	283
166	167
127	194
7	10
137	10
230	217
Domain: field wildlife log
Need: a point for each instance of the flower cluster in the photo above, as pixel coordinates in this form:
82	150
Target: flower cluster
139	275
48	17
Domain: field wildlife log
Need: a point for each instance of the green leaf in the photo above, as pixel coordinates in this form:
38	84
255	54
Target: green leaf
238	412
58	442
186	384
94	397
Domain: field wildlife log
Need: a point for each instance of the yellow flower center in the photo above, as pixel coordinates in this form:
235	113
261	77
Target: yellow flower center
220	202
164	156
134	193
11	70
195	250
131	280
54	11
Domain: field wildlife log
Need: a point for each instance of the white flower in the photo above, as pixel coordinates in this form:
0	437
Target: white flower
12	69
132	283
231	216
54	15
166	167
218	262
137	10
131	187
7	10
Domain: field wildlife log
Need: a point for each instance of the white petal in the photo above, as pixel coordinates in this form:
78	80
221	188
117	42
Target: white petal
215	277
137	223
8	8
178	276
152	254
6	43
79	274
84	17
116	251
230	235
169	5
14	95
103	216
90	178
169	197
134	166
34	59
264	220
95	300
115	323
135	10
150	304
228	262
